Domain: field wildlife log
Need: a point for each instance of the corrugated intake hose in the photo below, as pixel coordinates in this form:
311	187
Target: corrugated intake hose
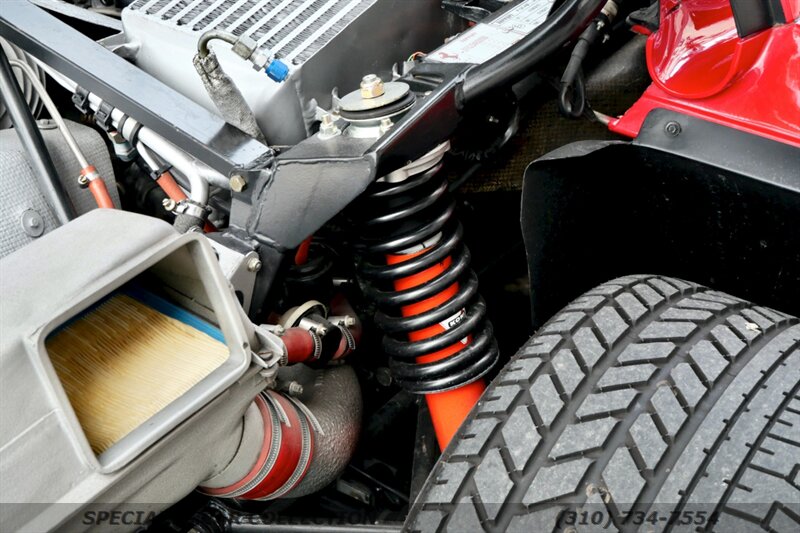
294	446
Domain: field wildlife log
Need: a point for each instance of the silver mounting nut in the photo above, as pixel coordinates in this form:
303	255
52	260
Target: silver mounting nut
254	264
371	86
169	204
295	389
238	183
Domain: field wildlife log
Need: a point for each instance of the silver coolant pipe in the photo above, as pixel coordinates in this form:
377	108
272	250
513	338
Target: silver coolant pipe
198	174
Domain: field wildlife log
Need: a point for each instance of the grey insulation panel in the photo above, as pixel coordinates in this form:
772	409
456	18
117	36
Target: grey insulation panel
18	184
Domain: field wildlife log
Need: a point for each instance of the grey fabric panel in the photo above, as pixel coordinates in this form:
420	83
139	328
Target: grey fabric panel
18	186
18	192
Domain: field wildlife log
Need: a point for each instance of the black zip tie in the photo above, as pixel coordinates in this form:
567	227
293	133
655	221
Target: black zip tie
157	173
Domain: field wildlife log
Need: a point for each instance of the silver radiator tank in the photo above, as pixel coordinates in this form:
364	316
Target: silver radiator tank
326	43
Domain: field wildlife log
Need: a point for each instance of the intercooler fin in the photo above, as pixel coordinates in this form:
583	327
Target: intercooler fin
123	361
293	30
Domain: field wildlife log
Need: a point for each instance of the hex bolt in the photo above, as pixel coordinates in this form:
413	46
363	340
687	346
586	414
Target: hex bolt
672	128
254	264
169	204
327	127
386	125
371	86
83	181
238	183
295	389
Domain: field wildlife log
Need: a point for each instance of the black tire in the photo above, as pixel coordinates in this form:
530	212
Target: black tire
647	403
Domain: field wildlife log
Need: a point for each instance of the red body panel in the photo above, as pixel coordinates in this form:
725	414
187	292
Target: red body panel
701	67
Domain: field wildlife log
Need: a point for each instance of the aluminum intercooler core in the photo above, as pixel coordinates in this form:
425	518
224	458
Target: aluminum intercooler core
327	44
292	29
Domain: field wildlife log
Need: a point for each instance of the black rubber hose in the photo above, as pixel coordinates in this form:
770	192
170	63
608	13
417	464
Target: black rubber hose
185	223
25	125
567	22
572	90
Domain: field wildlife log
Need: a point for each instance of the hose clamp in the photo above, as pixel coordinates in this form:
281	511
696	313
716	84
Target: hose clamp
187	207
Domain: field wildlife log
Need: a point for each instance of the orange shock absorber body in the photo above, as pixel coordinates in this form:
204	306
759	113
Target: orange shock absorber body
438	339
448	409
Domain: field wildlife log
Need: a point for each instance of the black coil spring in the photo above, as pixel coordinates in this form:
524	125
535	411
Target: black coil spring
401	216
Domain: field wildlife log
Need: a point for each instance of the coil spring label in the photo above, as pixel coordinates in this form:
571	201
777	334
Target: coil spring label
454	320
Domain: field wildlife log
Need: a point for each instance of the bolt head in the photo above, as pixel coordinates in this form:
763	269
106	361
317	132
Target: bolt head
32	223
386	125
672	128
254	264
169	204
384	376
327	127
371	86
238	183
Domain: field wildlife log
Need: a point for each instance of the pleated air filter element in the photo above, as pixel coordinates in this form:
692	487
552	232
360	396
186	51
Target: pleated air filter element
128	358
